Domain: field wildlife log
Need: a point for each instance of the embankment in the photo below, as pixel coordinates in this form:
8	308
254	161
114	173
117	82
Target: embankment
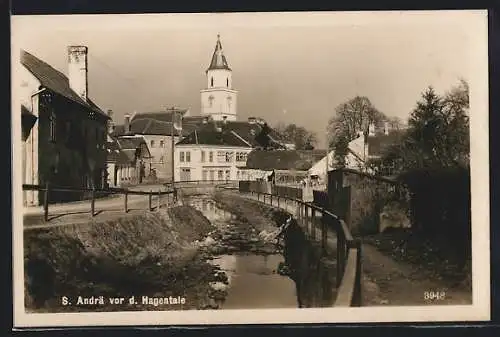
313	272
152	254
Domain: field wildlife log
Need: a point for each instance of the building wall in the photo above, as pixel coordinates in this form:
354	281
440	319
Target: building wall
161	155
219	99
217	169
76	156
223	103
29	86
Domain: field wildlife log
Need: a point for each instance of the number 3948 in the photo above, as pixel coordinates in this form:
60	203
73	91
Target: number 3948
434	295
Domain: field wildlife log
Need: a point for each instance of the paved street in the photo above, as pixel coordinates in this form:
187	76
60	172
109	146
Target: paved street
105	208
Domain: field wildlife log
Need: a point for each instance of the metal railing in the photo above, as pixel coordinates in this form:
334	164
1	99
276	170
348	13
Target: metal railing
348	249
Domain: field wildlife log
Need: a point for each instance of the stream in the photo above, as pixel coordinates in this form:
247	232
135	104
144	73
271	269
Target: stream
252	274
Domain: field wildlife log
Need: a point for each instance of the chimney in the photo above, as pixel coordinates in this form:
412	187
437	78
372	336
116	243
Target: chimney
386	128
111	124
77	70
251	120
371	129
126	123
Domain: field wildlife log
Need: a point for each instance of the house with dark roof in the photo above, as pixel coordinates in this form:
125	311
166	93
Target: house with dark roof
128	161
159	129
213	151
64	131
196	136
289	167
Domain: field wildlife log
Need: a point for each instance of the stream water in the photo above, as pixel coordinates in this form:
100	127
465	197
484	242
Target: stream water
253	280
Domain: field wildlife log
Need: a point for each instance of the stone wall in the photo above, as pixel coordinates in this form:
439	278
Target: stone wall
375	203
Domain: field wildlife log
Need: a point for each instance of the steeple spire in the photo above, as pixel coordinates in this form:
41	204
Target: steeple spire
218	59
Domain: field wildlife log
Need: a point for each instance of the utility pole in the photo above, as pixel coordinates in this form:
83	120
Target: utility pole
327	164
172	134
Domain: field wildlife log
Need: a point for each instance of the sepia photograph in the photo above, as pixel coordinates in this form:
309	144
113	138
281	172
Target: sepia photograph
244	168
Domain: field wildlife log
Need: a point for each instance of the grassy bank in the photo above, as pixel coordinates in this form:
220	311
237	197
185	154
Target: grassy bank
152	254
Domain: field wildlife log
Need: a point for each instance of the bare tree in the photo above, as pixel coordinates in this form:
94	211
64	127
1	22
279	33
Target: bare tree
352	117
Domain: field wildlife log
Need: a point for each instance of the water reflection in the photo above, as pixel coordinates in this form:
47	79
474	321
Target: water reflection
307	280
313	273
255	283
210	210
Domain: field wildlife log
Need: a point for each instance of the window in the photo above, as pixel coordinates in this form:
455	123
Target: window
227	82
152	143
241	156
220	174
221	156
211	101
211	157
228	175
188	156
52	126
202	156
181	155
162	143
161	160
212	175
211	81
204	175
229	157
237	175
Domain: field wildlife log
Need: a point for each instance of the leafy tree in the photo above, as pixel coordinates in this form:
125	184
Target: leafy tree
263	138
438	133
298	135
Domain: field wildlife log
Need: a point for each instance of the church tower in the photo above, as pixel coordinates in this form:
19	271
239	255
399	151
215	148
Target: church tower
218	100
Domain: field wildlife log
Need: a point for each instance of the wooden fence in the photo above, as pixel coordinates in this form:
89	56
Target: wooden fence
95	194
348	250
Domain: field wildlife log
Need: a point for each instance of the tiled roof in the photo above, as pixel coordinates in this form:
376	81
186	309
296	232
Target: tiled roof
164	116
157	124
131	143
209	135
115	154
218	58
380	143
301	160
55	81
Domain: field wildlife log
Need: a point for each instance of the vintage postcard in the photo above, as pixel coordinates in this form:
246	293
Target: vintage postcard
244	168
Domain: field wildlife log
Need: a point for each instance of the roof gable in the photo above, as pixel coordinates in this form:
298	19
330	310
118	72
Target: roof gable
55	81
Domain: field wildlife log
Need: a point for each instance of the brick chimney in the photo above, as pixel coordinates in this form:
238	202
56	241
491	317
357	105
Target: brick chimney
126	124
77	70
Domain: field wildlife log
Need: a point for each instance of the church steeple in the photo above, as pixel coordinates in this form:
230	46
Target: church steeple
218	99
218	58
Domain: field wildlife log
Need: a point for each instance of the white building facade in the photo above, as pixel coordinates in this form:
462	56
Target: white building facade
209	162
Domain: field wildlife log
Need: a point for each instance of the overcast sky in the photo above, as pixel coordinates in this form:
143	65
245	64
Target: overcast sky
293	67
